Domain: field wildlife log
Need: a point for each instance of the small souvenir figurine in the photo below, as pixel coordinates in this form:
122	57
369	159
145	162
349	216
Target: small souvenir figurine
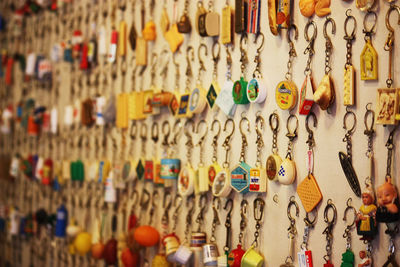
388	203
366	222
365	260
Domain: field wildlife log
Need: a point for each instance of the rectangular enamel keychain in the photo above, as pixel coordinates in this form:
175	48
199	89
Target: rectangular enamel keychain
258	174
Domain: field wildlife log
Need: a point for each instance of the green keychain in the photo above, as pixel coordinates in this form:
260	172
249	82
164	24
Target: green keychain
240	86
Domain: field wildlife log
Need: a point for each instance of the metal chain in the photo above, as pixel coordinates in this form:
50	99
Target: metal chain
328	51
243	60
215	146
189	147
186	8
260	145
257	233
390	147
188	224
243	150
243	225
275	141
310	51
329	237
306	236
292	55
227	148
347	139
228	225
347	235
228	63
349	45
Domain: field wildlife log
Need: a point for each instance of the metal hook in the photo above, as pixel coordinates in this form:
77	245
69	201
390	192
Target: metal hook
190	203
244	119
258	204
153	61
260	47
346	22
348	208
329	20
296	33
173	59
233	127
177	131
391	9
348	113
306	29
189	121
229	203
143	131
219	127
216	203
310	222
309	115
369	113
178	202
167	201
243	41
189	58
201	62
294	133
216	55
144	199
154	198
154	132
243	208
330	206
201	140
375	18
259	120
166	130
292	202
274	119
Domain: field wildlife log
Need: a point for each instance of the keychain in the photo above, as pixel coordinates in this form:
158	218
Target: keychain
236	255
211	21
223	260
369	56
200	19
149	31
241	7
240	86
279	15
308	190
171	240
328	231
227	24
210	250
202	182
324	96
349	71
173	36
222	183
254	10
240	176
274	160
183	110
286	91
156	161
287	169
140	168
306	98
214	88
256	89
305	255
348	256
214	168
187	176
292	232
148	108
258	179
170	167
132	32
199	238
197	101
184	25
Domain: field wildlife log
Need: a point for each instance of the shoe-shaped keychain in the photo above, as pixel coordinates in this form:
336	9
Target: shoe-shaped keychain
256	88
274	161
221	186
258	176
348	255
214	168
197	101
187	176
239	90
287	169
328	231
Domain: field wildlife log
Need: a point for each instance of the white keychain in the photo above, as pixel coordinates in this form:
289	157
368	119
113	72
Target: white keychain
287	169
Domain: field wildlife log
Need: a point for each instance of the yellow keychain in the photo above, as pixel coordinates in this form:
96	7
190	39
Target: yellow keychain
369	56
202	170
349	71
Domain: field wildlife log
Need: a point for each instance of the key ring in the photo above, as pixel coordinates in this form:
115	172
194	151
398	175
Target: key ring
292	135
369	113
274	120
349	207
346	22
369	32
348	113
330	206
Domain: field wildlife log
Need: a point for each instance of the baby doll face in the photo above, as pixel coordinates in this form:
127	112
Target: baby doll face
367	199
386	194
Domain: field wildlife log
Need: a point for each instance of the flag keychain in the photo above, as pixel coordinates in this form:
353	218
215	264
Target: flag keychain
349	71
286	90
214	88
273	160
346	159
184	253
240	175
221	186
240	86
308	189
236	255
256	89
369	56
201	183
197	100
287	169
214	168
348	256
292	232
324	96
258	179
307	89
187	176
328	231
183	110
210	250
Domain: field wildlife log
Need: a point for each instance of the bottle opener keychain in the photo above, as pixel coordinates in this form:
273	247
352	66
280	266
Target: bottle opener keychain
286	91
348	256
256	88
387	110
223	260
258	179
202	183
187	176
197	100
346	159
287	169
210	250
252	258
222	183
214	168
308	189
328	231
306	95
369	56
324	96
184	253
274	160
292	232
240	176
236	255
214	88
240	86
183	110
349	71
305	256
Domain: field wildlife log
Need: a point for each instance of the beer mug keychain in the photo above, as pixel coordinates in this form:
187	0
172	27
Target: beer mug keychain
214	168
210	250
292	232
369	56
346	159
236	255
256	88
258	179
307	89
286	90
274	160
214	88
349	71
187	176
240	86
328	231
240	176
287	169
183	110
197	100
348	256
221	186
324	96
201	183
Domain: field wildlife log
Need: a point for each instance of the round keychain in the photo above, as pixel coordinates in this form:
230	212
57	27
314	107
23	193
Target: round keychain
287	169
274	160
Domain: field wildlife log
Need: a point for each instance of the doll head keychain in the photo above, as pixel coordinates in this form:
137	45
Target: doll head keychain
187	176
286	90
197	100
202	184
258	179
214	168
256	89
287	169
329	231
348	255
240	86
240	175
221	186
214	88
236	255
274	160
292	231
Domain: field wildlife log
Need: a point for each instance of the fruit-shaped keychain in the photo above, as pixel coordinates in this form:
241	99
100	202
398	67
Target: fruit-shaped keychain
287	169
235	256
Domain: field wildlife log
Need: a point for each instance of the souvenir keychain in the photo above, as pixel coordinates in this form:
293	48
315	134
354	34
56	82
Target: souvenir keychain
258	179
184	25
287	169
328	231
308	189
241	7
223	260
210	20
227	24
236	255
140	168
132	32
170	167
221	186
171	240
274	160
156	161
183	110
200	19
214	88
305	256
173	36
348	256
197	100
199	238
349	71
240	86
324	96
387	110
346	159
187	176
174	104
369	56
292	232
307	89
149	31
214	168
279	15
210	250
286	91
184	253
240	176
256	88
148	107
202	183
